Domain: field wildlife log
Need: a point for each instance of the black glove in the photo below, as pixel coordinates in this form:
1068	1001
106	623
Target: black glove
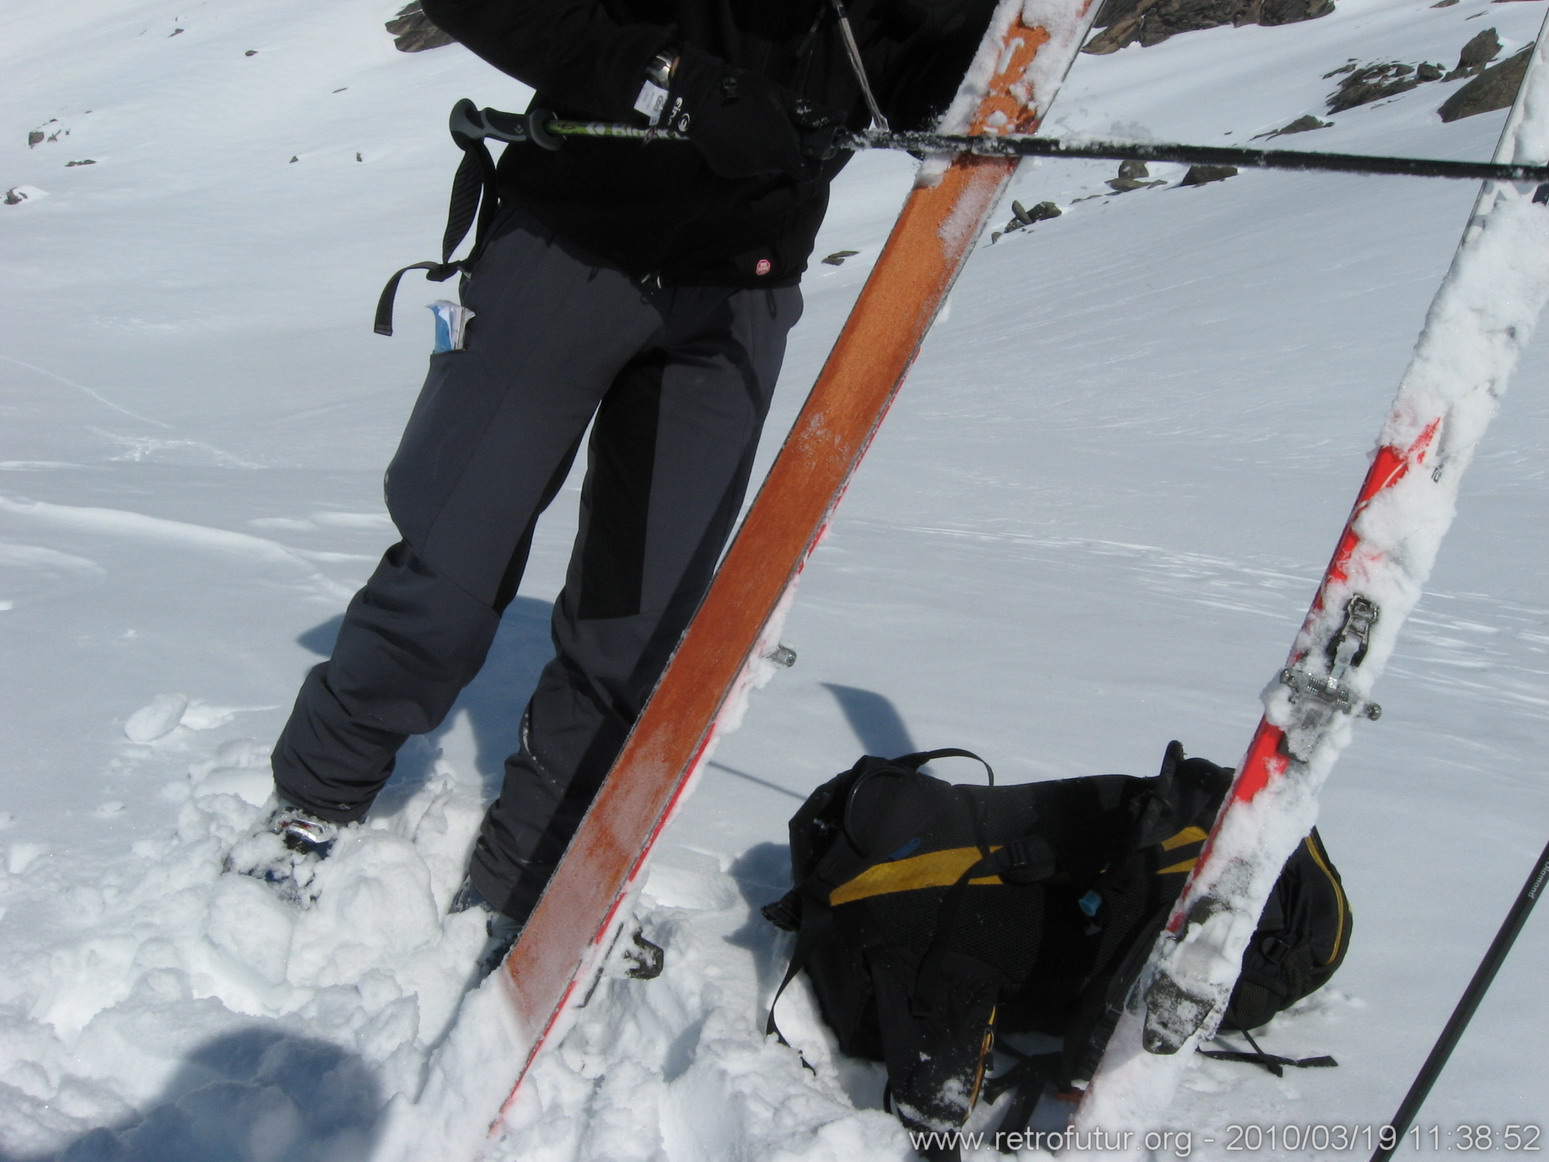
744	125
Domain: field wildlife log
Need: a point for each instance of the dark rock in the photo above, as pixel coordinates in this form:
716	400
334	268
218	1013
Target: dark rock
1132	175
1363	86
1300	125
413	32
1476	54
1376	82
49	131
1271	13
1039	213
1149	22
1123	185
83	161
1200	175
1495	88
1022	217
837	257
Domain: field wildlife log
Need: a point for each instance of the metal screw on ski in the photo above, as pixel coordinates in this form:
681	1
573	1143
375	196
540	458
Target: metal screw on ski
1482	316
783	656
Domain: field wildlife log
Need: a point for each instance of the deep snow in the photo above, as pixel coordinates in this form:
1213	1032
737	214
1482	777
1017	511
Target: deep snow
1092	523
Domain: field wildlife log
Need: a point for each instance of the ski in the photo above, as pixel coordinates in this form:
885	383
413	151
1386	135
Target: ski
1478	323
1028	48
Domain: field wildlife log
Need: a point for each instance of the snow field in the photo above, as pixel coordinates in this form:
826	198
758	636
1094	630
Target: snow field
1091	523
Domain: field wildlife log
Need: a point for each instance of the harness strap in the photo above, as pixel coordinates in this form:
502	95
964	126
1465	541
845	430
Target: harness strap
927	979
474	195
1026	1081
435	271
1276	1064
798	962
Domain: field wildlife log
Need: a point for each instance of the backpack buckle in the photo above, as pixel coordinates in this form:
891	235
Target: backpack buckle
1029	860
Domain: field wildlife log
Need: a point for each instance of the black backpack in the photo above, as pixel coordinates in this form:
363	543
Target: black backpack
930	916
1301	939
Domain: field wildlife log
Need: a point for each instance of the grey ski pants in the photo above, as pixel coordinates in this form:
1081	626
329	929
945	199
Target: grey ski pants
675	384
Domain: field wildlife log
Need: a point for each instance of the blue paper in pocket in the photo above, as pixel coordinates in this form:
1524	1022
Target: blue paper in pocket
451	324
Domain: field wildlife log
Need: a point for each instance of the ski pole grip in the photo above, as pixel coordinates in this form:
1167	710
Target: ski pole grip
538	131
465	123
469	123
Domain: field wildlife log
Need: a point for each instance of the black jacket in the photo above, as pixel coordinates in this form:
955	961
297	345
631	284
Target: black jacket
657	209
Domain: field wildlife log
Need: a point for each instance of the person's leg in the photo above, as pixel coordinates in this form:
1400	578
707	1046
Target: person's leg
408	643
489	442
669	462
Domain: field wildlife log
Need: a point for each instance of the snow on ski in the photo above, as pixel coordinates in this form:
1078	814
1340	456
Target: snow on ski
1479	321
1028	48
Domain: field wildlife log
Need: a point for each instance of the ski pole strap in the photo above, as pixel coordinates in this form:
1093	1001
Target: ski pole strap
474	196
852	50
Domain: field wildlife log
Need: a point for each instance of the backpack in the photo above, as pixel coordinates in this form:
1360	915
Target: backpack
1302	936
929	917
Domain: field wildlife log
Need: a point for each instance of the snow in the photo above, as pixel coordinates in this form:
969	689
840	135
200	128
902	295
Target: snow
1092	523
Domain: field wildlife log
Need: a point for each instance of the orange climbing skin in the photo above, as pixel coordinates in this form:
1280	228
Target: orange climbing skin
563	940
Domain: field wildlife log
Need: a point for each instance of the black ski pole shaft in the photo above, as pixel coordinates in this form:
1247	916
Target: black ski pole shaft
473	122
1014	145
1535	886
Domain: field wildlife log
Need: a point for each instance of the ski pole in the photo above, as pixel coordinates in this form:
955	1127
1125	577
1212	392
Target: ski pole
545	130
1395	1130
1283	159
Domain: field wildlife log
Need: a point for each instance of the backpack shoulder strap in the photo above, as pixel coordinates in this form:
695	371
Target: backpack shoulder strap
918	759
